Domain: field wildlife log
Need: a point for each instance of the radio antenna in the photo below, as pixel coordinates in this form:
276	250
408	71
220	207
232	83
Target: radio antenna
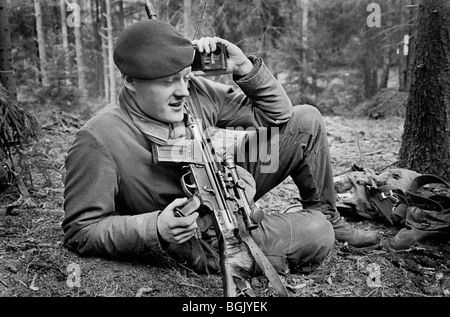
151	13
200	20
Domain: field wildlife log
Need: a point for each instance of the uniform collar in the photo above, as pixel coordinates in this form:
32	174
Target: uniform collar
156	131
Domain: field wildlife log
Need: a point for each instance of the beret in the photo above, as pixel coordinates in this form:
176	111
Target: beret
152	49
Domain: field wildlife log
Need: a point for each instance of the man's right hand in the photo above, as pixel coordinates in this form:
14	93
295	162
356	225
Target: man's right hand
174	229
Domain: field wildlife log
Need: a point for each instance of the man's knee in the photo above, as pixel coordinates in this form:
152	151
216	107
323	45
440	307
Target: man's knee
320	231
307	118
318	240
306	110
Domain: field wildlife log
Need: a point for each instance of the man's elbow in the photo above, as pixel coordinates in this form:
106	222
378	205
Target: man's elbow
76	239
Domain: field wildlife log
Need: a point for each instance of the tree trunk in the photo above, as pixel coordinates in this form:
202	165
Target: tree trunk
402	62
102	10
41	44
112	73
187	19
305	13
412	45
121	15
80	58
386	68
402	66
106	70
426	140
370	78
96	44
388	51
407	49
303	9
65	41
6	71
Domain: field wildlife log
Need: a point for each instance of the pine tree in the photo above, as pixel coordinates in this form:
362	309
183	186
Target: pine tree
426	140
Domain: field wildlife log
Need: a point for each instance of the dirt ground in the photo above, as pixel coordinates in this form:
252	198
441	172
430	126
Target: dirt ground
34	263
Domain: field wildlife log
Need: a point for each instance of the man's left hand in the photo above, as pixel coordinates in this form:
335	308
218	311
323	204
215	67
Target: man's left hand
237	63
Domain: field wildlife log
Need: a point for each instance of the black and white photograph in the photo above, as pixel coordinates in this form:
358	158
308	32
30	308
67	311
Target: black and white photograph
245	151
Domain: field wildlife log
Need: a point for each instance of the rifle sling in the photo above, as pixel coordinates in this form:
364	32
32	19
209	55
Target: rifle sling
262	261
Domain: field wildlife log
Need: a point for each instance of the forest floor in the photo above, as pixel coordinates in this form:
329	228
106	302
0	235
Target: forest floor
34	263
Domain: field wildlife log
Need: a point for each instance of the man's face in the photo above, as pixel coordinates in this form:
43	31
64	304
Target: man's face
162	99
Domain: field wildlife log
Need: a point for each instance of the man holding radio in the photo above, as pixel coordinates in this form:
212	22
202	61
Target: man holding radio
120	204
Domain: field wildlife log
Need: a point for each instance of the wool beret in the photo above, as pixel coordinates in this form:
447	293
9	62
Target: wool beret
152	49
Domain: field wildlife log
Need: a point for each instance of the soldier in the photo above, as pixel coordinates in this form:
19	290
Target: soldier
118	203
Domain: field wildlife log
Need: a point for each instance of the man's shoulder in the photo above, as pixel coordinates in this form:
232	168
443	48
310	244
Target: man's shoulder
109	123
110	114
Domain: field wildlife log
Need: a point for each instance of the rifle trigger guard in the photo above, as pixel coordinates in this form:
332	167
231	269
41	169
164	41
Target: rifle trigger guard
188	188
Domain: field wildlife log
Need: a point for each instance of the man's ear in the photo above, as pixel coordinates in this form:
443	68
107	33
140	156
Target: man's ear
128	82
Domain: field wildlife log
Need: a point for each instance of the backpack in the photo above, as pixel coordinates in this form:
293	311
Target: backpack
393	195
412	208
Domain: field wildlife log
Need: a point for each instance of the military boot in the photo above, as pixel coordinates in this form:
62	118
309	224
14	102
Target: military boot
409	237
357	238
